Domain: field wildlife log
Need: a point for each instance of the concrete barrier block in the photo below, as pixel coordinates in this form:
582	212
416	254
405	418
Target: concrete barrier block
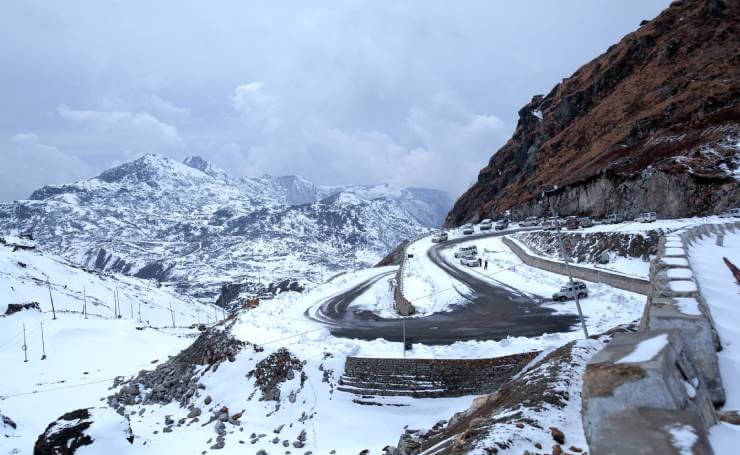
644	430
687	317
642	370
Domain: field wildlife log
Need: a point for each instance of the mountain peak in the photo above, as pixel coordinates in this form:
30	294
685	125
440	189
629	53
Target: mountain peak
205	166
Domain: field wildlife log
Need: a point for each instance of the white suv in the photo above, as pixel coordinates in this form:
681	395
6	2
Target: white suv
485	225
466	251
646	217
468	229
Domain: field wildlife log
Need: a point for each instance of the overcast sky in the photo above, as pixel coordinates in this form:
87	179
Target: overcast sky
416	93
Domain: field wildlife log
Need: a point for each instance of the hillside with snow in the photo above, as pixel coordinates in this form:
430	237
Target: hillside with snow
75	348
193	225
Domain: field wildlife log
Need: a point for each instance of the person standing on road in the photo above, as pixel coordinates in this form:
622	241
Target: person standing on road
485	265
480	262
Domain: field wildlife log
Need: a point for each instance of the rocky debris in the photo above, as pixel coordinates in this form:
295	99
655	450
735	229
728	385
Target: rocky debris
7	423
68	433
557	435
588	247
286	285
16	307
491	423
273	370
175	379
650	125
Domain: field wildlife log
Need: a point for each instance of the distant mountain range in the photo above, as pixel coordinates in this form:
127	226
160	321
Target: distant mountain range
206	232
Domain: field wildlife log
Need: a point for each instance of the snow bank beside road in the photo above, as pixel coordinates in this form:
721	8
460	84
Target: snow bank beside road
722	294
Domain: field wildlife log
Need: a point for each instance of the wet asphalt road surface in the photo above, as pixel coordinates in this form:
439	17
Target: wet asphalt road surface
493	312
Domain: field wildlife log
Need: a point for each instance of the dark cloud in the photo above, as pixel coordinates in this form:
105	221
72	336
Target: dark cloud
415	93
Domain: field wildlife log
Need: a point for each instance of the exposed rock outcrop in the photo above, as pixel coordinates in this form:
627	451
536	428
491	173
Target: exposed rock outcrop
651	124
75	429
176	379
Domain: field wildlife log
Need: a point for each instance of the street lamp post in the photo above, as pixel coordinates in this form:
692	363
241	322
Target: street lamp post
567	262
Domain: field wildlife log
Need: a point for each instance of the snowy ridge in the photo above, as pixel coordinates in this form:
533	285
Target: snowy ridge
193	225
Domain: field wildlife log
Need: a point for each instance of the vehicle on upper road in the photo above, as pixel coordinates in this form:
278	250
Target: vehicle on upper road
485	225
470	261
570	291
530	221
550	225
439	237
585	221
614	218
732	213
468	229
646	217
466	251
572	223
502	224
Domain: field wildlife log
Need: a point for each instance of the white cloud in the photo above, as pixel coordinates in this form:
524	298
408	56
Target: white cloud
29	164
257	108
138	127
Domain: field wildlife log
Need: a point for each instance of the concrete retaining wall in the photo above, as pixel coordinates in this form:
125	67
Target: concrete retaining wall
429	377
594	275
680	384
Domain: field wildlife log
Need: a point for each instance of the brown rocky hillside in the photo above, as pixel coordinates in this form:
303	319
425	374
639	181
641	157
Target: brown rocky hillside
651	124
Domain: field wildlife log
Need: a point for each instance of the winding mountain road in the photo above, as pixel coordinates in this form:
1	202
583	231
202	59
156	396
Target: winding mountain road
494	311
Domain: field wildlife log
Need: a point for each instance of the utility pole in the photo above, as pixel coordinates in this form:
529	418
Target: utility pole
43	345
172	314
139	311
51	299
84	302
567	268
115	305
24	347
131	304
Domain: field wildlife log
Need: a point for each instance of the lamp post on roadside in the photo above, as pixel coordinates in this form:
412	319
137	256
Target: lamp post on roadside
548	189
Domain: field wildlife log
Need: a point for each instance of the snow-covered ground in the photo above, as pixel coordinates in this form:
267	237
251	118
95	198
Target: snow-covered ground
667	225
634	267
429	288
723	298
82	355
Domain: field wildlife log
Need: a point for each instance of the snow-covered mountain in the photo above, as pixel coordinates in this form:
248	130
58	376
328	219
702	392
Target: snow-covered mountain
194	225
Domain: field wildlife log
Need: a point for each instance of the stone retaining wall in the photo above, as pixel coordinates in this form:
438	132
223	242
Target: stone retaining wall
402	304
429	377
594	275
676	380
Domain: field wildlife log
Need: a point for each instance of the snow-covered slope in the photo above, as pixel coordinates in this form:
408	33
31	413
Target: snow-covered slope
83	354
192	224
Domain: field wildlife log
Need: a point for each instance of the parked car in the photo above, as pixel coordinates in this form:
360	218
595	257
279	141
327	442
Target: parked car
439	237
570	290
470	261
530	221
550	225
485	225
502	224
646	217
572	223
585	222
614	218
466	251
732	213
468	229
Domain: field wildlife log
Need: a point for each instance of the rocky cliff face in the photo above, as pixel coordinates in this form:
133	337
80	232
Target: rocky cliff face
652	124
